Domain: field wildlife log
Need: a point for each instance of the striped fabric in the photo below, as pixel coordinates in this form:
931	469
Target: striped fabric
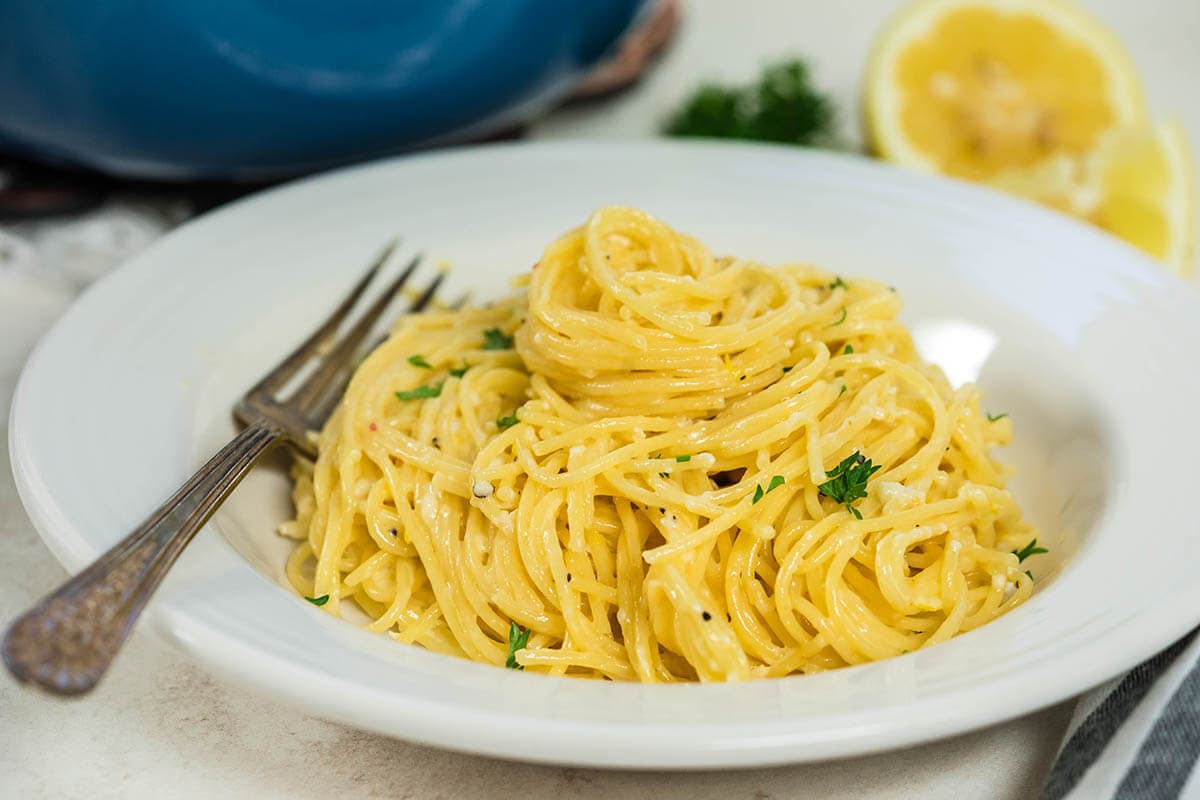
1138	737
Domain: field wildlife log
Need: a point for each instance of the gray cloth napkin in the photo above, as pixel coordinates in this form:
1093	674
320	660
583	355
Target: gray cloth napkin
1138	736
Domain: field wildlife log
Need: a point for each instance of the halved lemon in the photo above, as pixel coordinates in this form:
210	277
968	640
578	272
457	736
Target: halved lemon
1138	183
973	87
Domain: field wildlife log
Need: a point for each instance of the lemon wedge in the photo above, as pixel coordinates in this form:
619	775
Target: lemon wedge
1147	183
971	88
1138	183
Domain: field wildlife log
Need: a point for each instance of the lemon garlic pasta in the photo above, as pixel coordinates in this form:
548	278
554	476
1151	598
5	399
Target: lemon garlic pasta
653	464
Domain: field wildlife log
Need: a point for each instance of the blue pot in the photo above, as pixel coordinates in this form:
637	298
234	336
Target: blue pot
184	89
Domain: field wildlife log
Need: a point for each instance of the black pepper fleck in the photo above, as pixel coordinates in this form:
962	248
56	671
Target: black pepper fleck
707	616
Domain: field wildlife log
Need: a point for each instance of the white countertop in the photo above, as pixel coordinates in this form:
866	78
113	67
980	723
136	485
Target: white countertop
158	726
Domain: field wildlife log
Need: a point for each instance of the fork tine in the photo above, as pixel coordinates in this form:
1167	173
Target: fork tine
338	360
420	304
427	296
283	371
328	399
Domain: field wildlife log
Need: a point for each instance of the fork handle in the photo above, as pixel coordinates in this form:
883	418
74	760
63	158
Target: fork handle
65	643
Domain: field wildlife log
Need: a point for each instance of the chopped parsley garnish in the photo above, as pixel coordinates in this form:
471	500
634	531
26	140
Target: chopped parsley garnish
460	371
495	339
842	390
848	350
419	361
840	319
760	493
518	637
995	417
848	481
504	423
787	369
1028	550
837	283
683	459
318	601
421	392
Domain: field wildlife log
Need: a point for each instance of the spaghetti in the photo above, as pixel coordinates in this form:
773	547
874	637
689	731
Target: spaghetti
659	465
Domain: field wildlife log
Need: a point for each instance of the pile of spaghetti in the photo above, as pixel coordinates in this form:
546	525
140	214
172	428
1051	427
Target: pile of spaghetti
653	464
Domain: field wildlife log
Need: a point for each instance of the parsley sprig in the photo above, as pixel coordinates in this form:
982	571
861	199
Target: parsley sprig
421	392
848	481
318	601
783	106
419	361
496	339
1028	550
518	637
995	417
504	423
760	493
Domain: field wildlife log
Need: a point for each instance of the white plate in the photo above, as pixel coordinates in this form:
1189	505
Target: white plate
1088	345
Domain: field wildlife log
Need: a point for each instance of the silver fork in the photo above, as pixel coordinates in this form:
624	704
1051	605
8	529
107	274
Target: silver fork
66	642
